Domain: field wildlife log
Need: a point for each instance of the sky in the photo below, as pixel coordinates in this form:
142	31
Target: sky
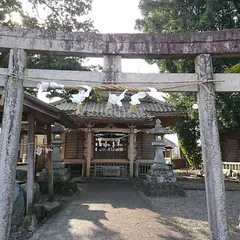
119	16
112	16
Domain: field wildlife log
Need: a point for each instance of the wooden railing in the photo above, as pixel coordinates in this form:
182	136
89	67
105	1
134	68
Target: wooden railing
109	170
142	167
231	166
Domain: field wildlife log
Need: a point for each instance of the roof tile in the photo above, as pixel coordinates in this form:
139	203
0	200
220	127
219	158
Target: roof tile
95	109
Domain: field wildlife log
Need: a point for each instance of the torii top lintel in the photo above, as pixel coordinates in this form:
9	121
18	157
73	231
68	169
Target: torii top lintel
224	43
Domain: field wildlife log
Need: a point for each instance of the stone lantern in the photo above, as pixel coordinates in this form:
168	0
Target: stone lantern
159	131
57	130
60	173
160	180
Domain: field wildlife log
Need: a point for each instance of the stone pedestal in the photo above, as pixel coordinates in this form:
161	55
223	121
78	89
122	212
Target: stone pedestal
60	173
160	180
160	173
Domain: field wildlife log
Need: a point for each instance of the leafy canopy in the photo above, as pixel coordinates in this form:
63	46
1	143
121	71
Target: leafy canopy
166	16
64	15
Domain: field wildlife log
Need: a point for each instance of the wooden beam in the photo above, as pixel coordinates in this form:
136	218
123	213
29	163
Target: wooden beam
149	46
43	111
167	82
123	130
10	137
76	78
39	128
30	164
211	152
50	164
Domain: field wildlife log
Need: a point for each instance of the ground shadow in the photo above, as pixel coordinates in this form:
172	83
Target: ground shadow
61	227
86	217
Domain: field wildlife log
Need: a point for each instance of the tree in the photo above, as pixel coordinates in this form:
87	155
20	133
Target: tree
64	15
59	63
165	16
187	128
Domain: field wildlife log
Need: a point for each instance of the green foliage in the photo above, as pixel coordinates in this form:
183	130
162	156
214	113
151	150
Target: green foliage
228	111
65	15
187	128
165	16
6	7
60	63
234	69
188	15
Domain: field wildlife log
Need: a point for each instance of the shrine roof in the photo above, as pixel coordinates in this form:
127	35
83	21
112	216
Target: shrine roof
148	109
43	112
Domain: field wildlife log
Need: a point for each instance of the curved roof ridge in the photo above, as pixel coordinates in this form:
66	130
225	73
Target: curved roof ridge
61	101
158	100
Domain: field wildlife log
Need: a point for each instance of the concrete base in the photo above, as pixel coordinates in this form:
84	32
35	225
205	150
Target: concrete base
51	207
39	212
161	189
160	181
30	223
160	173
60	174
45	210
65	188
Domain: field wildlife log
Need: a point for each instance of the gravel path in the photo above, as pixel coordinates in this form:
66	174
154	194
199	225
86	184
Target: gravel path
116	211
189	215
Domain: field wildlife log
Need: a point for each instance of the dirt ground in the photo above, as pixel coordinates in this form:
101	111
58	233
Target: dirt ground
117	211
188	215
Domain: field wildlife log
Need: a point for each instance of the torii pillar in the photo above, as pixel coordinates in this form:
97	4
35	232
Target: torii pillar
10	136
211	152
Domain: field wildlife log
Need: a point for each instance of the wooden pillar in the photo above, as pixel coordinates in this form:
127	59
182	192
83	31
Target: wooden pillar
89	150
211	151
131	149
49	164
10	136
63	146
21	148
30	164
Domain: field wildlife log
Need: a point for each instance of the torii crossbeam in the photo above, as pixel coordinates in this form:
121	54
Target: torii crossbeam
201	46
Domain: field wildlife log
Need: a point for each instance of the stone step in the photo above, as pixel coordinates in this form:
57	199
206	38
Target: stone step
46	209
51	208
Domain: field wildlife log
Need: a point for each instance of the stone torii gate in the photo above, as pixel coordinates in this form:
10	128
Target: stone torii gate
112	47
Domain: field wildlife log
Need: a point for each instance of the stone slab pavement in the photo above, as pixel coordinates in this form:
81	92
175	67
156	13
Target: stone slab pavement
107	210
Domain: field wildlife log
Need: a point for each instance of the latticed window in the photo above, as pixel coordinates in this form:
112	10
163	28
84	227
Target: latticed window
110	146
